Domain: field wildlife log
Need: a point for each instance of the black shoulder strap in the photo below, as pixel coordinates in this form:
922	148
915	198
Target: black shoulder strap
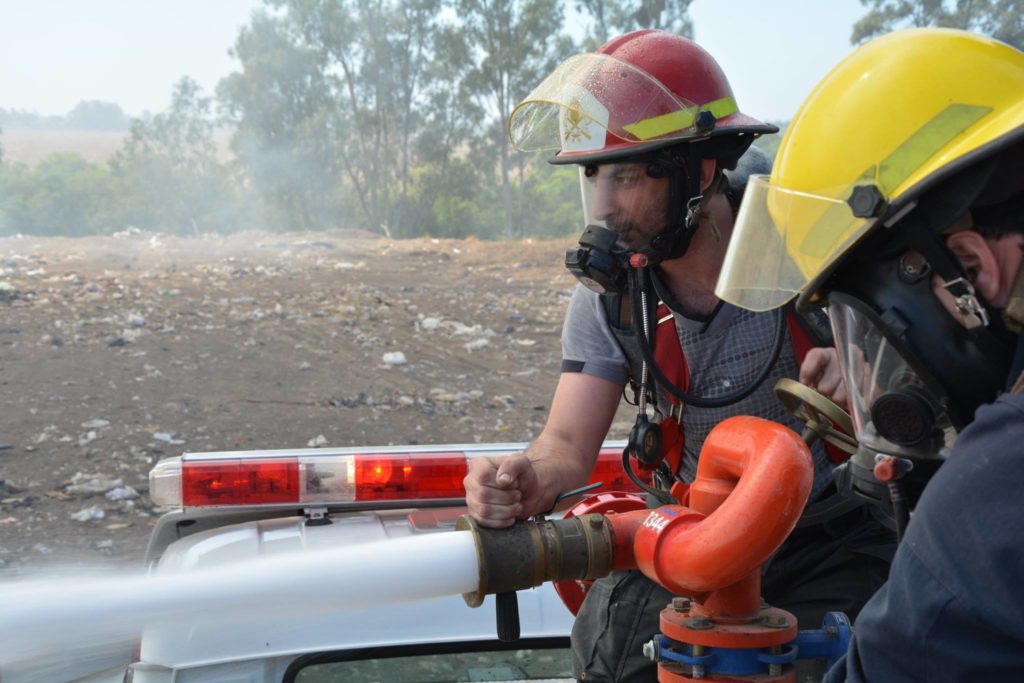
619	312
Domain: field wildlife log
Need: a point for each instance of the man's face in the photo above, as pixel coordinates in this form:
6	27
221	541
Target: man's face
627	201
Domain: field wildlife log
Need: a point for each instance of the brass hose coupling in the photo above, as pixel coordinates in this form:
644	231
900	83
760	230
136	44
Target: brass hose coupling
529	553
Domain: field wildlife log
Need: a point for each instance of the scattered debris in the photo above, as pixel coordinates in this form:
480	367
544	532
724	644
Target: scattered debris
84	485
206	337
89	514
121	493
394	358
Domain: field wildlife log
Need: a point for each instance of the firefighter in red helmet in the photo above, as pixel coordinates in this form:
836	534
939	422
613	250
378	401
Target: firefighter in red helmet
662	150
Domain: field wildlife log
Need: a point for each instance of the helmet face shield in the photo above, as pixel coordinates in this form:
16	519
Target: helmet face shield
623	198
595	103
898	116
895	409
782	239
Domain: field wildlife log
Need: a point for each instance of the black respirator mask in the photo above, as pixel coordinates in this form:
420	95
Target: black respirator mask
913	373
602	261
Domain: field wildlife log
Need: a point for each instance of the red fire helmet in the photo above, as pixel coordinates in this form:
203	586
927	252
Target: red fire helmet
639	92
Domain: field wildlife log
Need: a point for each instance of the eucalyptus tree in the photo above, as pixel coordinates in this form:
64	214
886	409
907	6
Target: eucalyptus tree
284	117
167	169
1001	19
349	75
514	45
614	17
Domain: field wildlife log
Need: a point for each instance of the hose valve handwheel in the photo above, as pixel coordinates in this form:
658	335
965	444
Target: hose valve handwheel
823	418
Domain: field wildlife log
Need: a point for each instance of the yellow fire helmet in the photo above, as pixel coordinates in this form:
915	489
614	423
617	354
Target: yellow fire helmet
896	117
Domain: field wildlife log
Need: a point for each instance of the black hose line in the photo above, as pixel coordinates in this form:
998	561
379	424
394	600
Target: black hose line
662	496
637	282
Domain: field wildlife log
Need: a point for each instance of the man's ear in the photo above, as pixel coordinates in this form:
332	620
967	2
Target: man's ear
978	260
707	173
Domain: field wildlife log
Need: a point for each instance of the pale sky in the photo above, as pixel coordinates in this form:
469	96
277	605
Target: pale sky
57	52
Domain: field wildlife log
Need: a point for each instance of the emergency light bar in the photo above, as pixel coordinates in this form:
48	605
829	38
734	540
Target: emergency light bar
322	477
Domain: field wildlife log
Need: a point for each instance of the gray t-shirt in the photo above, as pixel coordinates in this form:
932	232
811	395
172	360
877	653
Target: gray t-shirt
722	356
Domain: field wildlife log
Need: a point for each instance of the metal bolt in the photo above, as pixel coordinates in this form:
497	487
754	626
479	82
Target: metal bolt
651	650
775	669
697	651
699	622
776	621
681	604
596	522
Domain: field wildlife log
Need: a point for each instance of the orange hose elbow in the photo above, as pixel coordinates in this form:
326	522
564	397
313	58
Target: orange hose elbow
752	483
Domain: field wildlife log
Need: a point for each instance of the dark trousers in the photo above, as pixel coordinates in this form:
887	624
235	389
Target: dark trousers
830	567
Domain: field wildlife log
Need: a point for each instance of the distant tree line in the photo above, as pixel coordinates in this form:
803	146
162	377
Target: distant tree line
384	115
87	115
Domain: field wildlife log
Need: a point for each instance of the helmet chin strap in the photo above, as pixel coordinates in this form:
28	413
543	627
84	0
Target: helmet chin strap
686	203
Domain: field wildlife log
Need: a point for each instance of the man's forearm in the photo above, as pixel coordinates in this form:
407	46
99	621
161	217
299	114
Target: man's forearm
560	464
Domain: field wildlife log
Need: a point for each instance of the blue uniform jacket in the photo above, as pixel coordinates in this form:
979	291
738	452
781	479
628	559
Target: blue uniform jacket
953	608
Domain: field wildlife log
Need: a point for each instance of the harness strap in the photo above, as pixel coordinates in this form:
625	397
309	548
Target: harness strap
668	353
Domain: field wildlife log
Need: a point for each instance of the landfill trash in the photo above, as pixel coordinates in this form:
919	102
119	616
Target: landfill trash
121	493
84	484
203	369
88	438
394	358
89	514
167	437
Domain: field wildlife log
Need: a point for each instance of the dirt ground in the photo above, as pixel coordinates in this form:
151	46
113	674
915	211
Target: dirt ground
118	351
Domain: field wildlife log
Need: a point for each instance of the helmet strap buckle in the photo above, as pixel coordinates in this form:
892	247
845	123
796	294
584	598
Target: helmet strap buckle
967	303
693	208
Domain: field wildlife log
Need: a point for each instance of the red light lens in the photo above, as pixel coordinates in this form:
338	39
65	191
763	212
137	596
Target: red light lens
240	482
387	476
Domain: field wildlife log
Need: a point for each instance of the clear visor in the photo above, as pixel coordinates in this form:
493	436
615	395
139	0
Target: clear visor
623	198
889	402
781	241
595	100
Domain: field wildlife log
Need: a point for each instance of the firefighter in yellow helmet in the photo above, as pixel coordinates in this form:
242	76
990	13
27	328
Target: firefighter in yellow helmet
897	201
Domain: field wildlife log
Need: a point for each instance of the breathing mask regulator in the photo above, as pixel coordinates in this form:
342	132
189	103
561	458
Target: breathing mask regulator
603	260
615	256
913	372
